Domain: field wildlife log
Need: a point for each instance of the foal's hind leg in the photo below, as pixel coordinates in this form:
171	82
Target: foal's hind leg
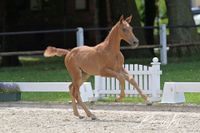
79	99
78	77
74	105
87	111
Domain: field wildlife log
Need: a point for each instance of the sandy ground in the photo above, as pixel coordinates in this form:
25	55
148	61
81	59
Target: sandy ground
17	119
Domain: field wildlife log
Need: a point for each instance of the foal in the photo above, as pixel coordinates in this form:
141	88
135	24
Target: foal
105	59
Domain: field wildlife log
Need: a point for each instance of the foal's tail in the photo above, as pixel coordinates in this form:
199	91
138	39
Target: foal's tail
53	51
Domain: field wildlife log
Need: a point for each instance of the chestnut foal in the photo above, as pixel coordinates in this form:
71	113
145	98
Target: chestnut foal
105	59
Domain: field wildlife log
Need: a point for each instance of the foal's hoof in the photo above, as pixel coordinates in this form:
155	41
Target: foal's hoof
118	99
149	103
81	117
93	117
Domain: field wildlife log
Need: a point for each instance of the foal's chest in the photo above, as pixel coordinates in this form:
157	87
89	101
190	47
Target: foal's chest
118	61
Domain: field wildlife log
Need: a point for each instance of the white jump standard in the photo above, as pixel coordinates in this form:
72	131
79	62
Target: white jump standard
173	92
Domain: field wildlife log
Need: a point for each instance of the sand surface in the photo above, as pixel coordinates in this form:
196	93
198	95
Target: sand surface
61	120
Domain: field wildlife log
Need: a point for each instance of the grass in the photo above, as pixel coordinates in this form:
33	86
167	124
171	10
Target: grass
183	70
46	96
39	69
127	99
193	98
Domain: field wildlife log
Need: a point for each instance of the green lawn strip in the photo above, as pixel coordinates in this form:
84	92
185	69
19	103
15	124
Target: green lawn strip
193	98
45	96
126	99
65	97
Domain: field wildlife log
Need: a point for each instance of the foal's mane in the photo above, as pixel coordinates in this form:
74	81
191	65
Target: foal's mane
111	31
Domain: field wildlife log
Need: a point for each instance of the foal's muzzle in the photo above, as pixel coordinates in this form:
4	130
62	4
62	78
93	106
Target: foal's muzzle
135	43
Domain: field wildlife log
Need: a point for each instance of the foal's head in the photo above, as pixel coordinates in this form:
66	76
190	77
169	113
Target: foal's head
126	31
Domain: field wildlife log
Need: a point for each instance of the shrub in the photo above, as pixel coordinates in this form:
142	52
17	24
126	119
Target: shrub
9	88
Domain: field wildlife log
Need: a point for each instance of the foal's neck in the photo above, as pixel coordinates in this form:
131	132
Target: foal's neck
113	40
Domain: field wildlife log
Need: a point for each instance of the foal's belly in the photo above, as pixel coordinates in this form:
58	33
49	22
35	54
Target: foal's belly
94	65
91	65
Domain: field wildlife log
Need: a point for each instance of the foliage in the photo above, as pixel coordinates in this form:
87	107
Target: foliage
162	10
9	88
175	11
140	7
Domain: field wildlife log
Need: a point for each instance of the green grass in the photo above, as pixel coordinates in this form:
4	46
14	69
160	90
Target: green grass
193	98
52	69
38	69
46	96
183	70
179	71
127	99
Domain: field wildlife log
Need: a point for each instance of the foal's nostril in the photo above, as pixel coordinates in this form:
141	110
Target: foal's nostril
136	42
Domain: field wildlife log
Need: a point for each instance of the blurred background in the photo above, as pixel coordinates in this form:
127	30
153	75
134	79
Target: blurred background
21	23
27	27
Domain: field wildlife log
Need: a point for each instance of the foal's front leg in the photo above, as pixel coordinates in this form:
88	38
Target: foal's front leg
132	81
111	73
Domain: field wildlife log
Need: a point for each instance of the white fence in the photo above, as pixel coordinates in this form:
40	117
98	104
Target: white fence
147	77
85	89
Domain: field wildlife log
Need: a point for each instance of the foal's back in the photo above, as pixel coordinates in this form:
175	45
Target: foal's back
88	59
92	60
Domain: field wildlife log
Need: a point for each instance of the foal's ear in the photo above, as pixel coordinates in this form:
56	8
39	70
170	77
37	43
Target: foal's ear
121	18
129	19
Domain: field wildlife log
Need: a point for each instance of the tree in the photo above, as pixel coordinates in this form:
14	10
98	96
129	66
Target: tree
103	16
10	25
179	13
150	14
128	7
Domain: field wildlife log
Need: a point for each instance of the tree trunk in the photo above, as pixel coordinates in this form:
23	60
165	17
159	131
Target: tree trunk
150	14
179	13
9	41
2	23
103	17
127	8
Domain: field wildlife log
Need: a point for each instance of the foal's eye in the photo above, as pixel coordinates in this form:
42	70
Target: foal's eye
124	30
